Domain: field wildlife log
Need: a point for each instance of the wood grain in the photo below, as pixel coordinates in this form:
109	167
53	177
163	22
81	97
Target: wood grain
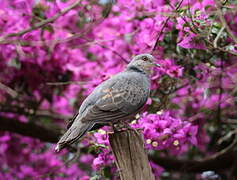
131	158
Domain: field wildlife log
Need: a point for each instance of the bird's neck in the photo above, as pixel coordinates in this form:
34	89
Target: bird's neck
139	69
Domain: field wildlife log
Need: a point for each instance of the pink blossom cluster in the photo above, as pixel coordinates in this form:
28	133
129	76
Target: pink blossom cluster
104	157
163	131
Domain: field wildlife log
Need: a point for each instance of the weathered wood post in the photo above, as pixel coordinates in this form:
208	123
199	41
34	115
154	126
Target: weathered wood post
131	158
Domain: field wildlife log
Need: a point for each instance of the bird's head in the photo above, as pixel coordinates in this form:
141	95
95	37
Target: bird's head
143	62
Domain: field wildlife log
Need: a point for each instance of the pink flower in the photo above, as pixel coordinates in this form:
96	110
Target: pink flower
192	41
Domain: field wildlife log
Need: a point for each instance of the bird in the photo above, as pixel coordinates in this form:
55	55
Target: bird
112	101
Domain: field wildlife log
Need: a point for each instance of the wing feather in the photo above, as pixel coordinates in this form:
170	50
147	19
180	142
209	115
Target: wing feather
116	102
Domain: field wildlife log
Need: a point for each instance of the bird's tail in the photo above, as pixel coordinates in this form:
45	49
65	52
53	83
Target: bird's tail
74	133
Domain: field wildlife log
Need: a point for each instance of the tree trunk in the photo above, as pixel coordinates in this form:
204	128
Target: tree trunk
131	158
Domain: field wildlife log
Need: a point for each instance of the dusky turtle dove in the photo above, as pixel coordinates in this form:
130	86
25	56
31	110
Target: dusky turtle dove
113	100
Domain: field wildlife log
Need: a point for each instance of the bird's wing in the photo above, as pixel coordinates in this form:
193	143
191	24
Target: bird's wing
119	100
70	121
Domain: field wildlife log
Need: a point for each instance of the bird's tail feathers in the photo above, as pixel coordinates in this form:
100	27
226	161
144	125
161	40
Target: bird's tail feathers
74	133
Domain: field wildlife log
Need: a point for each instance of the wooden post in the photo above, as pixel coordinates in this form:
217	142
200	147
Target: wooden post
131	158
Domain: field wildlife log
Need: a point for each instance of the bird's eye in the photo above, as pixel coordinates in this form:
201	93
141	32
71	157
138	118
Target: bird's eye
144	58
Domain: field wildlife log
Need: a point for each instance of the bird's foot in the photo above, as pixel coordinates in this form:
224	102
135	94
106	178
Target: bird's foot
123	126
126	125
115	129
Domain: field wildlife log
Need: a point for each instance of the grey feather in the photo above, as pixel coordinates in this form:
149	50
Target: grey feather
74	133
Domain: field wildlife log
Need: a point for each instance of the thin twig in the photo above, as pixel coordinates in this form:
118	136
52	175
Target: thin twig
219	48
218	36
224	151
191	17
161	31
113	51
4	40
223	21
219	110
230	121
66	83
44	22
8	90
31	112
227	136
163	27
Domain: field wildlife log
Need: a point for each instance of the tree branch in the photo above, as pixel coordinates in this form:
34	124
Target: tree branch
223	21
29	129
218	36
31	112
220	163
42	23
219	48
163	27
8	90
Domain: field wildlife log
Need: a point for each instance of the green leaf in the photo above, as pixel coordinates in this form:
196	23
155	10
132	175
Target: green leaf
15	63
106	172
39	10
217	25
96	177
197	12
207	7
49	28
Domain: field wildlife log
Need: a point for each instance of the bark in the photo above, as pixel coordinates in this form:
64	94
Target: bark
220	163
131	158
